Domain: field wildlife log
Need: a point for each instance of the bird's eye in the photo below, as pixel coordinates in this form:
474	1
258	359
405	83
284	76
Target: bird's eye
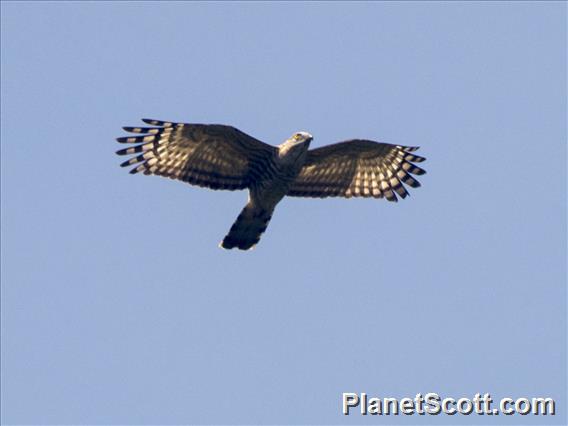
297	136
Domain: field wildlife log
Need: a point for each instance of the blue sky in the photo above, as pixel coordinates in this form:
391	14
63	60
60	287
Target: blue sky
119	308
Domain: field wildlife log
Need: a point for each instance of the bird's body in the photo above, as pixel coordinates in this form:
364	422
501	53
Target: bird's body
222	157
282	169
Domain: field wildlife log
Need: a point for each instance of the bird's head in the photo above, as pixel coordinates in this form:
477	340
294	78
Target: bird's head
296	144
301	137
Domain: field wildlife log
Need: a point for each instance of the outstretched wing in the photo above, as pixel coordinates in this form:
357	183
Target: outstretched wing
358	168
209	155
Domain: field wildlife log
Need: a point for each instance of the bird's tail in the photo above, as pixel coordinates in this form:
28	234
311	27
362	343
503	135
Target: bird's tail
248	228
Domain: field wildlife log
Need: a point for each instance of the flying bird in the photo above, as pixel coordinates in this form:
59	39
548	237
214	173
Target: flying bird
217	156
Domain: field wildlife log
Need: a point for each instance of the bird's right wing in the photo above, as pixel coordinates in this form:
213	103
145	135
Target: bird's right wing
358	168
210	155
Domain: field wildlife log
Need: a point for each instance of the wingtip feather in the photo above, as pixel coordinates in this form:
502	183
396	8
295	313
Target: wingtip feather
161	123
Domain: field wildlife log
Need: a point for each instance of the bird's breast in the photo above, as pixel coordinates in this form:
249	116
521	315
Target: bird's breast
274	182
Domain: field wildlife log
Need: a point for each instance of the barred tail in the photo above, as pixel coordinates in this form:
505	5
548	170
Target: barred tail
247	229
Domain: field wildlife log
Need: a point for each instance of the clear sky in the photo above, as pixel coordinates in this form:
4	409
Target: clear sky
119	308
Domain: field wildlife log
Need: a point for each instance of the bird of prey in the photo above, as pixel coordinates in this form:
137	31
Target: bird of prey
217	156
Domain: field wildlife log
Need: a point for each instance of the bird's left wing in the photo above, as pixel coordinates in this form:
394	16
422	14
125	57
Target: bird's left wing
358	168
210	155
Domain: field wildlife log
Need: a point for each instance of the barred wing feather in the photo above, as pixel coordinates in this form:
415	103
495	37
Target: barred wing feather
358	168
210	155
